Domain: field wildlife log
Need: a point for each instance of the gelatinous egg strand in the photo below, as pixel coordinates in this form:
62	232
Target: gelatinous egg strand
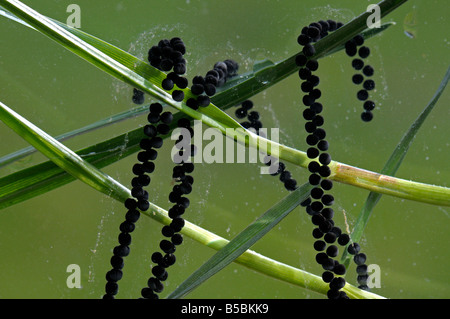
319	204
166	56
351	48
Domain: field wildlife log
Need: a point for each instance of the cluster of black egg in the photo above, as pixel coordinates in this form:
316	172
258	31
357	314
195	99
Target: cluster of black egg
168	55
182	186
252	117
158	125
204	87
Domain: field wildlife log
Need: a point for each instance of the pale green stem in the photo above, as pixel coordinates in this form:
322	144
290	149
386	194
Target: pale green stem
258	262
344	173
389	185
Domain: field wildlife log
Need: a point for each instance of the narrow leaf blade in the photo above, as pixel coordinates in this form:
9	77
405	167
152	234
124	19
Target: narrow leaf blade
243	240
393	164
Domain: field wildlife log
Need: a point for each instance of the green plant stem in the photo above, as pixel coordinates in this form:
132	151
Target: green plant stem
26	184
389	185
136	111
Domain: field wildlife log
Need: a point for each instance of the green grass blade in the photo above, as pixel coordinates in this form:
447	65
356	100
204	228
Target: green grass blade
402	148
243	241
42	178
135	111
392	165
61	155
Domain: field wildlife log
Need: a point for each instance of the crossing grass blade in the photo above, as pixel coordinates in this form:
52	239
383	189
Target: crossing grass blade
243	241
44	177
392	165
122	116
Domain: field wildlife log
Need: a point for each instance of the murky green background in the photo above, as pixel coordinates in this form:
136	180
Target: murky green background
74	224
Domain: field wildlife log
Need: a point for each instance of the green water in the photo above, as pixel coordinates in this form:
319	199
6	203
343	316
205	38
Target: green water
74	224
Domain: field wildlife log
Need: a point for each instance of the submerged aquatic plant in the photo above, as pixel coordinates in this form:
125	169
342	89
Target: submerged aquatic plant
155	82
